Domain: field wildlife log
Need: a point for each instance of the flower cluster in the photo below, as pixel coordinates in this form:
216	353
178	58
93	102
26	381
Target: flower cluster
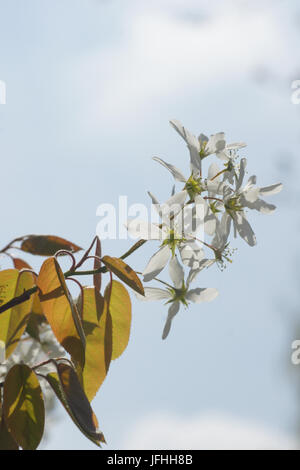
206	206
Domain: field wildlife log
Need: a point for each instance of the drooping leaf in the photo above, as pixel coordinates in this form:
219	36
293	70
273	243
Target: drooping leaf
68	389
13	321
23	406
98	332
124	272
60	310
97	265
119	303
47	245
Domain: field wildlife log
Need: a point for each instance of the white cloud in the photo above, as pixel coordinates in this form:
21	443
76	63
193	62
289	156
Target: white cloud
204	432
162	55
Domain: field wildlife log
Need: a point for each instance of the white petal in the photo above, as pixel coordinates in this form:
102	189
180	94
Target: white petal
225	226
240	179
202	295
156	263
244	228
177	199
178	127
236	146
152	293
173	310
172	207
154	200
205	263
191	254
192	143
176	272
262	206
213	170
271	190
175	172
210	223
216	143
251	194
215	187
144	230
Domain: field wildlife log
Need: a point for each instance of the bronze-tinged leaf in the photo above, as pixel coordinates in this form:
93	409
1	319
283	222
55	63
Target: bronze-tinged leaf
23	407
97	327
7	442
69	391
124	272
60	310
13	321
47	245
120	310
21	264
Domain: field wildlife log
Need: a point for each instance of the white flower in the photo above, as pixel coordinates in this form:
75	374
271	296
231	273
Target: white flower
178	230
204	146
200	147
248	197
220	247
229	154
178	294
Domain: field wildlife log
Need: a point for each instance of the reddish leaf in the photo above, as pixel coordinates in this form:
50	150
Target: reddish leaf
21	264
47	245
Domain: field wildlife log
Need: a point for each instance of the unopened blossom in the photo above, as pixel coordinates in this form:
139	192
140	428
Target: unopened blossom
178	294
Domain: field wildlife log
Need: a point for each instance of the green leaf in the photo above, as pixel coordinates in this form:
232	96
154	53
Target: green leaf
23	407
119	303
98	332
124	272
60	310
68	390
47	245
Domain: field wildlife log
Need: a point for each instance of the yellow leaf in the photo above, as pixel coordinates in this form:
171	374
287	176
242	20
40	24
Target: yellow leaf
119	303
124	272
23	407
60	310
98	332
13	321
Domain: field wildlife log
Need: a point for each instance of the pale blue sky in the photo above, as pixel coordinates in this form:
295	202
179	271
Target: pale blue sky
90	89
